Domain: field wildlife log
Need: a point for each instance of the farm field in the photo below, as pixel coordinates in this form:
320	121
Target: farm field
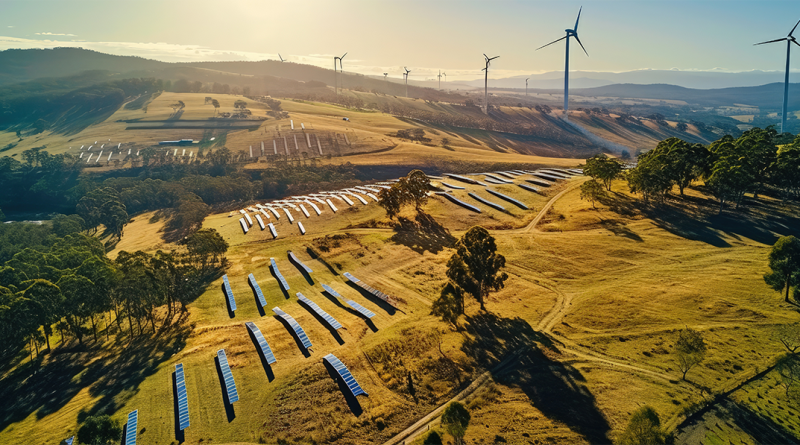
582	330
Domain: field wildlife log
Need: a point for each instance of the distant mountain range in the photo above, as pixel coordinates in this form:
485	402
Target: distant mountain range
590	79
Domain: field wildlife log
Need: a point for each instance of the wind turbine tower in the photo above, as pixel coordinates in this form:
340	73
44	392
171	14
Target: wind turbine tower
486	83
789	40
279	56
526	86
384	75
570	33
406	76
335	77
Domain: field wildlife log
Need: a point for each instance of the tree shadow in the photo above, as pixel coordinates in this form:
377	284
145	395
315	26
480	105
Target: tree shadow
556	389
179	434
352	401
306	353
422	234
229	411
619	228
264	363
302	271
314	255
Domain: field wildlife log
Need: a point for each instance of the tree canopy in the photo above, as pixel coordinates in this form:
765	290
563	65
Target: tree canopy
603	168
455	420
644	428
476	267
784	262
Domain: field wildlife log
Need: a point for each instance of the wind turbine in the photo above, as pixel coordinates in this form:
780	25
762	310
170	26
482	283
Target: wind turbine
335	77
440	80
486	83
406	76
570	33
526	86
445	79
279	56
384	75
789	40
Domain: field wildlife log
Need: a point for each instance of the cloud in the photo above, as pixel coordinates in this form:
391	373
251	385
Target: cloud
52	34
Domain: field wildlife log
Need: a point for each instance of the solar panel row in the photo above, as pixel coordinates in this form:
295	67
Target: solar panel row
131	428
230	385
385	297
301	334
487	202
528	187
459	202
266	351
507	198
183	403
345	374
314	307
257	290
277	273
361	309
229	292
293	258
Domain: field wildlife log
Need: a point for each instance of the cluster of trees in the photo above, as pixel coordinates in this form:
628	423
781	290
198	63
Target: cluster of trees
475	269
409	190
415	134
72	285
730	167
784	264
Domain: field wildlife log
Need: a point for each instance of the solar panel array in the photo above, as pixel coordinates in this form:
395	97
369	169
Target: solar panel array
361	309
325	316
455	187
229	292
183	402
344	373
301	334
459	202
257	289
299	263
230	385
282	280
385	297
262	342
487	202
528	187
507	198
133	423
540	182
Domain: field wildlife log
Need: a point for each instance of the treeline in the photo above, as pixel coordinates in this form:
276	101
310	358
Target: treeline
758	161
72	287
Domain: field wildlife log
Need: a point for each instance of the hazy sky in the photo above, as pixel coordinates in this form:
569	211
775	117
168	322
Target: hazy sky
384	35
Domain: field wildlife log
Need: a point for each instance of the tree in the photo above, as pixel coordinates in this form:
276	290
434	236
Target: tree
644	428
603	168
788	368
2	216
433	438
392	199
784	260
686	162
99	430
215	104
789	336
416	185
49	303
78	292
240	104
592	191
206	246
64	225
690	350
651	176
450	304
455	420
787	168
476	266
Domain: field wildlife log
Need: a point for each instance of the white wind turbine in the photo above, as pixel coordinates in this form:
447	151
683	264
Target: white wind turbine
789	40
570	33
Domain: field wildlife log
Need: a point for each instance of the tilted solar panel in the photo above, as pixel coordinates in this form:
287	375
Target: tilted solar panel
272	230
71	439
266	351
325	316
183	402
487	202
506	175
528	187
385	297
347	200
300	226
282	280
314	206
459	202
330	204
133	424
301	334
455	187
345	374
363	201
242	222
288	215
260	222
257	290
230	385
299	263
507	198
229	292
305	212
361	309
492	181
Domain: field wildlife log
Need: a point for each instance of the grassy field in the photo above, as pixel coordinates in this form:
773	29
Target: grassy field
594	300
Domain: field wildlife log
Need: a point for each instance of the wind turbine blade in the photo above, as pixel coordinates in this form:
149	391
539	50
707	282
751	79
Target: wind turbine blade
578	20
581	44
795	42
771	41
554	41
795	27
343	56
495	57
485	56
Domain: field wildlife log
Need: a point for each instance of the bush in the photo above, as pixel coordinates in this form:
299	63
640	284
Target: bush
99	430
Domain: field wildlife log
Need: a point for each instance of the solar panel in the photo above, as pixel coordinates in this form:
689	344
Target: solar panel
229	292
257	289
272	230
301	334
487	202
347	200
275	270
456	187
133	423
183	403
371	195
361	309
230	385
385	297
71	439
274	212
539	182
266	351
260	222
305	212
330	204
344	373
506	175
507	198
325	316
245	229
302	229
459	202
288	215
299	263
495	178
548	177
492	181
314	206
528	188
363	201
249	220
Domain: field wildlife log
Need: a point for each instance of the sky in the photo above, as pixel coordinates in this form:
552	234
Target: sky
424	35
